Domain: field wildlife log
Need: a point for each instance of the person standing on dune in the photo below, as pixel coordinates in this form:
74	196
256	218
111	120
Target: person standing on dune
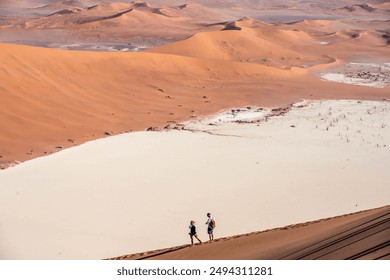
210	226
193	233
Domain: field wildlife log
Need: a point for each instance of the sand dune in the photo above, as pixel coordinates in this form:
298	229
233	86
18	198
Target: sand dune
60	94
359	8
361	236
385	5
299	44
106	23
155	23
60	98
60	5
162	66
263	47
85	202
65	14
105	14
247	22
121	93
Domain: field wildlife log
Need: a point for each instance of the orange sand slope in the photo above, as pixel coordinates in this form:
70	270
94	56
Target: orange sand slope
54	99
359	236
300	44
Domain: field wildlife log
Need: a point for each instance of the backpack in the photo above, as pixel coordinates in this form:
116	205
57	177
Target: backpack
212	223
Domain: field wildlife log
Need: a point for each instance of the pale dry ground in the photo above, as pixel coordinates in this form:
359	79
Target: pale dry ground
136	192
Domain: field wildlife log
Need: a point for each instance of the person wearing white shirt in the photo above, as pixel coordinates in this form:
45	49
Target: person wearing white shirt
210	226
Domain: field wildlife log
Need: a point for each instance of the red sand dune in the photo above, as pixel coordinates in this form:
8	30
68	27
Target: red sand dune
108	22
54	99
265	46
359	236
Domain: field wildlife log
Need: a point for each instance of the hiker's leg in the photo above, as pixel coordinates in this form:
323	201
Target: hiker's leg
198	238
192	240
210	232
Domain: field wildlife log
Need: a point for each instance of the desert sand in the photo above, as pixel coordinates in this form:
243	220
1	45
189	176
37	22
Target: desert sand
279	109
55	99
107	197
356	236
